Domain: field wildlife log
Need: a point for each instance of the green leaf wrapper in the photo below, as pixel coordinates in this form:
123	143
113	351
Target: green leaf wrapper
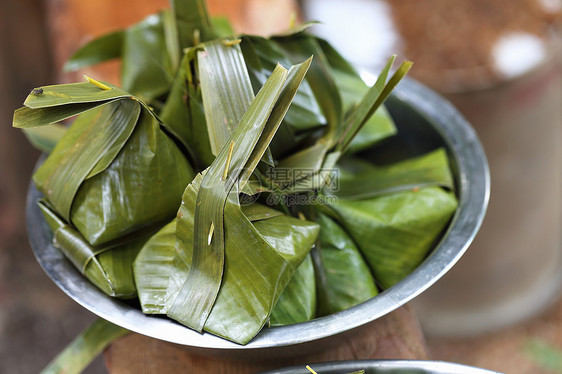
298	301
344	278
396	231
260	258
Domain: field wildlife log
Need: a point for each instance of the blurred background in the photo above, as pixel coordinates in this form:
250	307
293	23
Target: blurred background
498	61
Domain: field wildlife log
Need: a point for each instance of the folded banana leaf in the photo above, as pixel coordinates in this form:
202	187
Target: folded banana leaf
338	88
147	42
109	266
352	88
312	165
155	262
97	181
344	278
183	112
140	187
152	41
257	267
261	56
234	164
298	301
228	272
322	83
359	179
113	159
395	232
151	49
395	213
45	138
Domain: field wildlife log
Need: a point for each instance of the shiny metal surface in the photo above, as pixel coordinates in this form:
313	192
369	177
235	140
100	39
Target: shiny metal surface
424	121
386	367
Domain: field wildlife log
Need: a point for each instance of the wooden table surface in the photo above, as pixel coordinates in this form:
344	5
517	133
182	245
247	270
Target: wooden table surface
394	336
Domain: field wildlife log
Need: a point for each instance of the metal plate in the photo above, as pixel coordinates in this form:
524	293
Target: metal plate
424	121
386	367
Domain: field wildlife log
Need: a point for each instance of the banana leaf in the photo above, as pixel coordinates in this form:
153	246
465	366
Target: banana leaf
103	48
147	69
141	186
59	100
193	22
45	138
109	267
226	90
262	55
258	268
96	135
298	301
248	143
152	269
359	117
183	113
396	231
311	166
113	159
149	51
322	83
359	179
269	244
85	347
155	262
352	89
344	278
258	259
222	27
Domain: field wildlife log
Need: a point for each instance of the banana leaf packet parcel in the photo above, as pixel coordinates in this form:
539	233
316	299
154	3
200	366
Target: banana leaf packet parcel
147	191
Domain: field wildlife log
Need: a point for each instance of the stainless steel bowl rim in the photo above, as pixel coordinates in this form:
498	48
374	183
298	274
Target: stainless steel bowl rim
386	366
474	185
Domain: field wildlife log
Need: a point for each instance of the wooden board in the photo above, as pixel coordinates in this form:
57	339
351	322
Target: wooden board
395	336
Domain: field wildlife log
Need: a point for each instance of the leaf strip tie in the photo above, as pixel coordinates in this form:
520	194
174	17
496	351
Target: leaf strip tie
196	37
211	231
97	83
228	160
230	43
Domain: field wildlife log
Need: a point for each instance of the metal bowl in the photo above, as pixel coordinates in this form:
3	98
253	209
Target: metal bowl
425	121
386	367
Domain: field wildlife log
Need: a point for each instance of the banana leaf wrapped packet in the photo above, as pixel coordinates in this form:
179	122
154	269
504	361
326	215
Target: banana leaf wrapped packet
221	265
112	178
259	257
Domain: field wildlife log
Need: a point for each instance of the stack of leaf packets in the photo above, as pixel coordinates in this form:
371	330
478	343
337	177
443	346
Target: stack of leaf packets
224	185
